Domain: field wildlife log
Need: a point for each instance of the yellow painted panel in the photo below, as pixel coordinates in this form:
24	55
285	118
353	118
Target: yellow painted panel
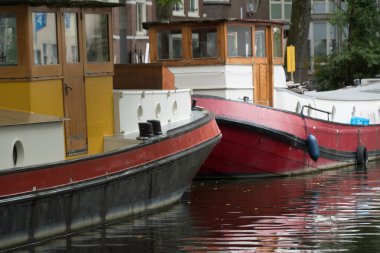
291	59
99	107
46	97
15	95
43	97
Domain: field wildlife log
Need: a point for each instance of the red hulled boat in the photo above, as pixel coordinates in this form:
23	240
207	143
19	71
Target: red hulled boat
263	141
235	69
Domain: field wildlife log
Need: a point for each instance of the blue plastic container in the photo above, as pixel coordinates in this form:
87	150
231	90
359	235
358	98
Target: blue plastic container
359	121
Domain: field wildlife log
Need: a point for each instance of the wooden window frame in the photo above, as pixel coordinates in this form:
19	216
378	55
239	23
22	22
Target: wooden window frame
104	68
278	60
240	59
80	38
41	71
154	51
22	69
268	47
189	49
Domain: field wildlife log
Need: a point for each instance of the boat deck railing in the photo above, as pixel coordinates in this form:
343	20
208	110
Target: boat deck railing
315	109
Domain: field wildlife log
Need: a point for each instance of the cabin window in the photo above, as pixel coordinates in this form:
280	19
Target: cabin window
71	37
97	38
277	42
8	40
260	42
45	38
204	42
169	44
239	41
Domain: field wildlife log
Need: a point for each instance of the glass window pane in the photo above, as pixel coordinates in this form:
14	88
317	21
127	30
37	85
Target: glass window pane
288	11
319	7
277	42
320	43
204	42
275	12
140	16
239	41
169	44
44	38
260	42
97	43
71	38
8	40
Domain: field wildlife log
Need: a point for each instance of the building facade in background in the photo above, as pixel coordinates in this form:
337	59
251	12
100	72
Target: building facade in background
324	37
130	40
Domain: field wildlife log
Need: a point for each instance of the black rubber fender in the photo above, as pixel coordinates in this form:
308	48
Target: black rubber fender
312	147
361	155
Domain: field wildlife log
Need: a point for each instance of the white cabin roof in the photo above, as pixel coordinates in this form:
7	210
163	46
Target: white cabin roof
369	91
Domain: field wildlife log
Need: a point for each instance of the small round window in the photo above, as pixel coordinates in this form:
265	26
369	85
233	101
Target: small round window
18	153
158	110
140	112
175	107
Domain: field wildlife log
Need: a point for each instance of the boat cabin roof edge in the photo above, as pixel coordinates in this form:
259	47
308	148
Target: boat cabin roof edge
147	25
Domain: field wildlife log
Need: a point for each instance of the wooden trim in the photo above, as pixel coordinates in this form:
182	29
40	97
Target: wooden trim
94	74
153	41
221	30
278	61
30	79
240	60
186	43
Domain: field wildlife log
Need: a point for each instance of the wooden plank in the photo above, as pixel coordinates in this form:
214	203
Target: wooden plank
143	76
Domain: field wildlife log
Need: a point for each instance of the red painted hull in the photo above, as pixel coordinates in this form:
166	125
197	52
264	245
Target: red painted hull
43	201
262	141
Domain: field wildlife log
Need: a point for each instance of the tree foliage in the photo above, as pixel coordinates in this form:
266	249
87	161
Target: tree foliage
164	8
359	56
168	2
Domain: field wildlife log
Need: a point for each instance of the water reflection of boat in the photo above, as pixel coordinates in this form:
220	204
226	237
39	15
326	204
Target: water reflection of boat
74	152
325	211
242	60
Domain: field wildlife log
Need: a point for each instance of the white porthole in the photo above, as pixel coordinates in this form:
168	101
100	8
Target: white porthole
18	153
157	110
175	107
140	112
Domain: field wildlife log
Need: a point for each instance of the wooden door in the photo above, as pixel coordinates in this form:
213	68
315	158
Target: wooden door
262	68
73	85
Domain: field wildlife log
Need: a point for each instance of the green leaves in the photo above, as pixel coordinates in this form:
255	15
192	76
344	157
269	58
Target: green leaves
169	2
359	56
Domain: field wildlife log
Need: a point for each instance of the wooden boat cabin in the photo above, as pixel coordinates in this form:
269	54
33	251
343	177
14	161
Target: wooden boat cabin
55	59
231	58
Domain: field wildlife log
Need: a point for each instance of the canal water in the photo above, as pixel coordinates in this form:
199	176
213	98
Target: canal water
333	211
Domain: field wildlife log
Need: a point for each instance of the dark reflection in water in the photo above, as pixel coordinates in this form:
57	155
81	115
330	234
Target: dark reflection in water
334	211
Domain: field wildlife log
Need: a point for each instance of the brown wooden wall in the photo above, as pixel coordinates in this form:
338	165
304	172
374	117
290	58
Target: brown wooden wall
143	76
